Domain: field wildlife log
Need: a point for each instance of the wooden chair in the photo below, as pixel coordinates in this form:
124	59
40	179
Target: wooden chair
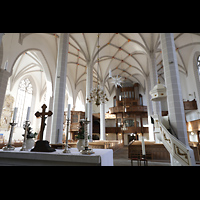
143	158
135	156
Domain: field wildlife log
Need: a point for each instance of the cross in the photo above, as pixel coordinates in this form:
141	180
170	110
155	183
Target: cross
42	115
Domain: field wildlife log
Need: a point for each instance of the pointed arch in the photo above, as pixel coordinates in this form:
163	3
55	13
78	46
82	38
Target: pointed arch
80	102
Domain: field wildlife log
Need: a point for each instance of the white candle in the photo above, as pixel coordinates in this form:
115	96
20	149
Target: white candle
143	146
68	112
110	73
28	113
15	113
6	64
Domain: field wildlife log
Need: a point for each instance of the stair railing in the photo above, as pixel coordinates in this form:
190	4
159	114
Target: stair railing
174	146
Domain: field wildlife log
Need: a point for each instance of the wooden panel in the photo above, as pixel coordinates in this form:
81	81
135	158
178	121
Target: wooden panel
157	151
130	130
119	109
190	105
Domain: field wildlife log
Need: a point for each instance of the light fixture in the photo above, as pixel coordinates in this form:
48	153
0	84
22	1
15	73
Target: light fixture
117	81
97	94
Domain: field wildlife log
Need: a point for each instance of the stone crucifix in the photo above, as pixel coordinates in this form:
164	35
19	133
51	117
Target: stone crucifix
43	116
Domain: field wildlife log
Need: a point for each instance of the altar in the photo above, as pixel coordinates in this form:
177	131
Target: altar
101	157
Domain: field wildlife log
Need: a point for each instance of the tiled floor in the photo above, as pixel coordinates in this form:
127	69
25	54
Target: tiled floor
120	158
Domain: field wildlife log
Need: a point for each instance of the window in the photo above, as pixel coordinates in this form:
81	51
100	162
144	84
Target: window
24	98
198	64
129	122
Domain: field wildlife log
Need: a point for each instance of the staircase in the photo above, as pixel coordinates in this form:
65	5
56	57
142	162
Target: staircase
178	151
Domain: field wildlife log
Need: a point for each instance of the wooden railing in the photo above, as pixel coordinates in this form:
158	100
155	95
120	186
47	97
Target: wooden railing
118	109
129	130
175	147
190	105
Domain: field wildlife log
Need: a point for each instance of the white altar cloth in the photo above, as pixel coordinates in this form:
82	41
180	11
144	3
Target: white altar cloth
101	157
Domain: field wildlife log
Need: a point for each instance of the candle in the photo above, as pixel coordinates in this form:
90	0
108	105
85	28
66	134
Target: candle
68	112
15	113
110	73
28	113
6	64
143	146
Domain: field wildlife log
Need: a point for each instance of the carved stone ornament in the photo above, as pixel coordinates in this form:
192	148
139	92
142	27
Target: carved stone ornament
7	112
158	92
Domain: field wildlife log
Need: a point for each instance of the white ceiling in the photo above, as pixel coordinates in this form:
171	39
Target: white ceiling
126	54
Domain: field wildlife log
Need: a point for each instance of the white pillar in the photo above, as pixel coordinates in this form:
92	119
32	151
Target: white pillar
88	107
59	90
49	120
154	81
149	108
174	94
102	122
1	35
4	75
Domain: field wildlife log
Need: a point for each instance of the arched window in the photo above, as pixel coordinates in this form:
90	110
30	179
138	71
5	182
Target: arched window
198	65
23	101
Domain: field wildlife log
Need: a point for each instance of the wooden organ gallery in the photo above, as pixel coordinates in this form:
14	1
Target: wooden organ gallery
130	112
125	120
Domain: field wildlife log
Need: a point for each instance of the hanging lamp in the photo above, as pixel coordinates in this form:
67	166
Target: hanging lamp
97	94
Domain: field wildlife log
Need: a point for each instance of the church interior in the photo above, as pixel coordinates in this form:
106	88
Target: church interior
140	93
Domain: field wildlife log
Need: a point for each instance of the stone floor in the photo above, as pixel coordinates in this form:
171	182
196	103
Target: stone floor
120	158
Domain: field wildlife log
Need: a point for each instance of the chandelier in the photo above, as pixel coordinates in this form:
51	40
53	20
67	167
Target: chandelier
97	94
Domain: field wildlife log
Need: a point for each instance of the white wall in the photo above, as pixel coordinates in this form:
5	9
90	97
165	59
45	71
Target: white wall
191	85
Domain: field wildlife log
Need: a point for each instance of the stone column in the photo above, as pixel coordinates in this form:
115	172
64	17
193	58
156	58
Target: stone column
49	121
174	93
102	122
149	108
88	110
4	75
154	81
59	90
1	35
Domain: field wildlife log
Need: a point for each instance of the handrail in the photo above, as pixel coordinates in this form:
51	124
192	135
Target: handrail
174	146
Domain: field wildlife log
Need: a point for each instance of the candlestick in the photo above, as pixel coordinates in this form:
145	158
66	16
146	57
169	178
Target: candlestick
86	150
66	150
27	124
9	147
28	113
